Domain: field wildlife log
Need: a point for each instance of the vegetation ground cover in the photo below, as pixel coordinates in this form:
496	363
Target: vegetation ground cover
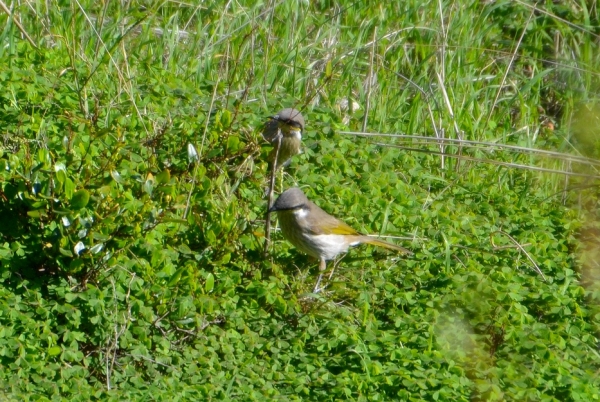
132	199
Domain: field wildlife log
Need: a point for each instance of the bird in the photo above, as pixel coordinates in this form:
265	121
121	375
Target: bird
317	233
286	126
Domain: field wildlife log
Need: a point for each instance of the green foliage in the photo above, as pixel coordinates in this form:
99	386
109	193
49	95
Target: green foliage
132	178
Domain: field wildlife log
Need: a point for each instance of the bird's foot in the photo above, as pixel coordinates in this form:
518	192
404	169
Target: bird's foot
318	289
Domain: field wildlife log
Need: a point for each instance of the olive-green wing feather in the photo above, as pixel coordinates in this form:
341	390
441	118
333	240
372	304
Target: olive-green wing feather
323	223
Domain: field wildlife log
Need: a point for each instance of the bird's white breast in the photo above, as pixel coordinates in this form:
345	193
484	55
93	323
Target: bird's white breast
295	227
291	132
329	245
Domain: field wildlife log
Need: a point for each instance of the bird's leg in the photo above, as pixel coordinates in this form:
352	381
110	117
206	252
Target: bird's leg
322	267
317	289
335	264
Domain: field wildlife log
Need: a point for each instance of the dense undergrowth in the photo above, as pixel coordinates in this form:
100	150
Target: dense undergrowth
132	201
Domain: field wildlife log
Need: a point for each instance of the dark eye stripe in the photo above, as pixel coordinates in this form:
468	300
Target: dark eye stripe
299	207
289	122
293	123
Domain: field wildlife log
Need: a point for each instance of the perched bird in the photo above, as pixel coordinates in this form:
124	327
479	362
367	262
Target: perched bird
286	125
315	232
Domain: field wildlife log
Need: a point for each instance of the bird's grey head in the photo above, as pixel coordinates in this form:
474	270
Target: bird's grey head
290	199
290	116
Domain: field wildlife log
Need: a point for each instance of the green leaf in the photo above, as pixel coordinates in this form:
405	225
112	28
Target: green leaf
233	143
226	118
38	213
69	188
80	199
176	276
65	252
210	283
192	153
183	248
61	176
163	177
116	176
149	184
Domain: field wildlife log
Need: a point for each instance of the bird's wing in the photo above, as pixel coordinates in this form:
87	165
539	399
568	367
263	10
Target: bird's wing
271	130
328	224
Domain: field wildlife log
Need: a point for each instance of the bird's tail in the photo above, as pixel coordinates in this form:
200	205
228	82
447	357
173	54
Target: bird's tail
381	243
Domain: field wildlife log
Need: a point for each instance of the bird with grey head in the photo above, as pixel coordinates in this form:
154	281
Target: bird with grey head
286	129
317	233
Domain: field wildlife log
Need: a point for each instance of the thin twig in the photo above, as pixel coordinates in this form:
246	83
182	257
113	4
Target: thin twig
494	162
536	268
18	24
472	143
270	196
369	82
442	77
556	17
